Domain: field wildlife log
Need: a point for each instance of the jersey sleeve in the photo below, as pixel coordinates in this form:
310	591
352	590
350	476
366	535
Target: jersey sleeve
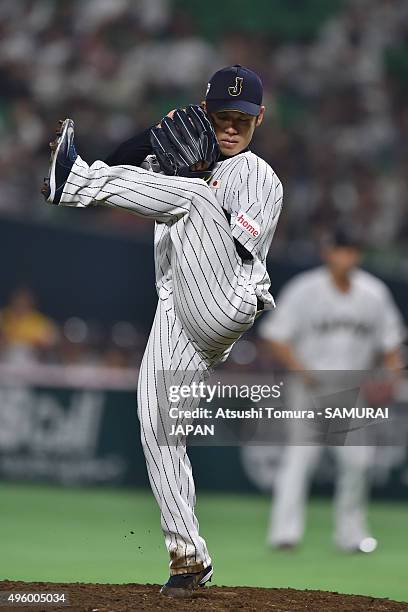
132	152
258	194
282	323
391	331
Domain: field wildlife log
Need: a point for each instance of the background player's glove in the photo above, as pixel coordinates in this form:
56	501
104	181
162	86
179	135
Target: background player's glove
184	142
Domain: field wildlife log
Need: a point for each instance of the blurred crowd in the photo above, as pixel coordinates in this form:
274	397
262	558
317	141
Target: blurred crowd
337	128
29	336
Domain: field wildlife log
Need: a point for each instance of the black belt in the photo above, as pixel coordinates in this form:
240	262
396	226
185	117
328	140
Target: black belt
259	305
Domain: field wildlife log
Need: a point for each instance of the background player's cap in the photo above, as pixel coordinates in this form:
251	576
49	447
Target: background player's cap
234	88
343	237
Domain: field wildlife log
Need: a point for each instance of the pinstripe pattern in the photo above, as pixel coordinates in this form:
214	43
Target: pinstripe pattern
207	300
247	183
169	468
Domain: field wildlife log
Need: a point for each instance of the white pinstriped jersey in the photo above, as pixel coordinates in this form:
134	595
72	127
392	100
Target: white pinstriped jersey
251	193
208	299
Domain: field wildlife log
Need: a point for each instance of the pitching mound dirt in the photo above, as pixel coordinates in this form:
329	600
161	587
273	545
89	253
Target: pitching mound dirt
135	597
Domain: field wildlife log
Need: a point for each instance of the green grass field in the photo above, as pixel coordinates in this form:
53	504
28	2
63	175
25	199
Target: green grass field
64	535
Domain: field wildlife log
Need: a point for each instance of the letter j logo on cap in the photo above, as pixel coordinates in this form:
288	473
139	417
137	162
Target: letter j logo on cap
236	90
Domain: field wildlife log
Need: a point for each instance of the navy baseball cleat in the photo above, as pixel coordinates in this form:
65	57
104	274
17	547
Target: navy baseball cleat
183	585
63	156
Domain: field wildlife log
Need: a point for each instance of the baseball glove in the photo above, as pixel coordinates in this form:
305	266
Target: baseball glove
186	145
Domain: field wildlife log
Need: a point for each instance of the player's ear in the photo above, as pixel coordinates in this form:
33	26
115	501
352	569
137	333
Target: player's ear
204	107
260	117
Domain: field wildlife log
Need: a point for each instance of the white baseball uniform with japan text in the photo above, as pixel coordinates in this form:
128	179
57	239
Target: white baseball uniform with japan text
329	330
332	330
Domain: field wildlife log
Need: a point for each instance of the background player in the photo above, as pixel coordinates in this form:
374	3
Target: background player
335	317
211	243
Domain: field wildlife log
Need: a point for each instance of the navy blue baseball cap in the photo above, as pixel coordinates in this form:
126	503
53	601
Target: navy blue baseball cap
344	237
234	88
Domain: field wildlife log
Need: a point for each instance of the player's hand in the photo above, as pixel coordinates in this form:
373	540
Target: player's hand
378	393
309	380
200	166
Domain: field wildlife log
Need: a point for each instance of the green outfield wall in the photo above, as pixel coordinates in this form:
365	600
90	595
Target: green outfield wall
81	428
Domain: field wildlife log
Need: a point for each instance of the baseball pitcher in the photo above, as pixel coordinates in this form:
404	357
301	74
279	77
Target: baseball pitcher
215	205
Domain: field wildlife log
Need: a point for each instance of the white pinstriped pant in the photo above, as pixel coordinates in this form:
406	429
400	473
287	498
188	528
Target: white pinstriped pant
206	307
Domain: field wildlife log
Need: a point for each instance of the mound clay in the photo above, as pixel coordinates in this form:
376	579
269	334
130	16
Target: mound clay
135	597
